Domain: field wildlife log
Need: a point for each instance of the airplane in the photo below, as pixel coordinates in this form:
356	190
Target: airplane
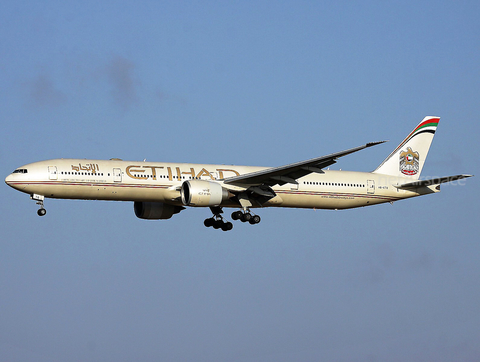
160	190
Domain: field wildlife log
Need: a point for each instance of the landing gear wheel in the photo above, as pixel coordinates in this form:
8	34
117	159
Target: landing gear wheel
209	222
237	215
227	226
217	224
41	212
254	220
246	217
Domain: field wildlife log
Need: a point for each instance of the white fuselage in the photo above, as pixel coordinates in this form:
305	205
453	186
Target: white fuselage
160	182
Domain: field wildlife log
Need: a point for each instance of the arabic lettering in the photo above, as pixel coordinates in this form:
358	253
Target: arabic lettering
89	167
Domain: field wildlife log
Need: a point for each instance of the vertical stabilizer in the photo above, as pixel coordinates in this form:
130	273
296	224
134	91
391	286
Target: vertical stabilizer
408	158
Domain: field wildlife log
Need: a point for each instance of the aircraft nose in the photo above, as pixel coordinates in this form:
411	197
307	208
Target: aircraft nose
12	181
9	179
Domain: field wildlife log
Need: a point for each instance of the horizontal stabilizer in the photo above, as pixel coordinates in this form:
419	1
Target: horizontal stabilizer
433	181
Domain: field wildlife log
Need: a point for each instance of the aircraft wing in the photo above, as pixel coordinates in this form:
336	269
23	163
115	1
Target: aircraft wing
433	181
290	173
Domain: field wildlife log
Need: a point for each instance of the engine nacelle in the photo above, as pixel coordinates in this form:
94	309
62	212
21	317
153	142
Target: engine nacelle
155	210
203	193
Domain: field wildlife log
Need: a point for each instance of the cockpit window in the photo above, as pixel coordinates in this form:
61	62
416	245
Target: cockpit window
20	170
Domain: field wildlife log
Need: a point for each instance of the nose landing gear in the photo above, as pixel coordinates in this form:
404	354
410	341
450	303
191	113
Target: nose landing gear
39	199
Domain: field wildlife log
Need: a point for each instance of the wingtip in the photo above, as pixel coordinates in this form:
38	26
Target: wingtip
370	144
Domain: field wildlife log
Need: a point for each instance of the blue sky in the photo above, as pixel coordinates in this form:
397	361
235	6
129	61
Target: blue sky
256	83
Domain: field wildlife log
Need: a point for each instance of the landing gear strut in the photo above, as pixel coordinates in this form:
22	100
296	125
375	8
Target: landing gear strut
39	199
216	221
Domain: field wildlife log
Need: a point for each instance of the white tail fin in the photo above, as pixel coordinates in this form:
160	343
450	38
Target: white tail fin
408	158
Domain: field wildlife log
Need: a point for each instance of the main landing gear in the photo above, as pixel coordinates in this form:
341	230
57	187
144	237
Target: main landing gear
217	221
246	216
39	199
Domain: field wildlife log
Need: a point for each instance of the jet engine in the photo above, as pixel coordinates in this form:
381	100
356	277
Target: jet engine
203	193
155	210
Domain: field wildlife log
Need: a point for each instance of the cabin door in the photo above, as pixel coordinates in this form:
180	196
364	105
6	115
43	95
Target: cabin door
52	171
117	175
370	187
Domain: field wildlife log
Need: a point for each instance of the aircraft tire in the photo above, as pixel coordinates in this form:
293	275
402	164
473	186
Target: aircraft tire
254	220
217	224
237	215
41	212
227	226
246	217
